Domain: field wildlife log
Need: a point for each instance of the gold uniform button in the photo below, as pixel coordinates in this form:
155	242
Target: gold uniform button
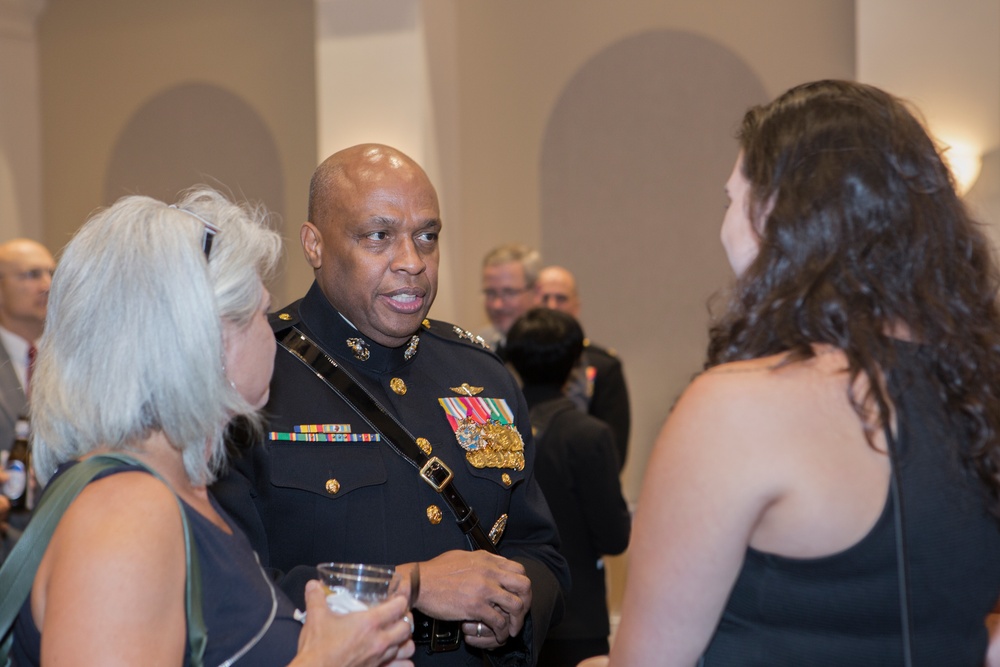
398	386
332	486
506	479
284	316
425	446
434	514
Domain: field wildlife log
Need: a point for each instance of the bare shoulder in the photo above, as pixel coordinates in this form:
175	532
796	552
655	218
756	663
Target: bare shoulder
768	385
115	568
751	414
134	501
121	535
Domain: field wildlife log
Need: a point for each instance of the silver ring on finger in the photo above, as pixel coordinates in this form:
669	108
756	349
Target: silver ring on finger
479	629
409	621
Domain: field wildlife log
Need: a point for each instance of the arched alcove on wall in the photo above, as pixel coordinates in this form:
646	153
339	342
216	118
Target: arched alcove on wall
634	159
197	133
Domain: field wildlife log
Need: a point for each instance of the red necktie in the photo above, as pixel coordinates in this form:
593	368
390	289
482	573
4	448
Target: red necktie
32	353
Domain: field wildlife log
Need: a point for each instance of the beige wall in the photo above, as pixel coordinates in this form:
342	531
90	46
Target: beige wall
104	61
513	59
498	73
20	121
498	70
947	63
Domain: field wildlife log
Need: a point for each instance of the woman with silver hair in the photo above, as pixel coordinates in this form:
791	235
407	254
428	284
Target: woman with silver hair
157	337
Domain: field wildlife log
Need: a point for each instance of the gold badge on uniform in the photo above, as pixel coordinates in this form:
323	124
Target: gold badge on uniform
467	389
484	427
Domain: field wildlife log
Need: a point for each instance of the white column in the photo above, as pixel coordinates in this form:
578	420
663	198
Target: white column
373	85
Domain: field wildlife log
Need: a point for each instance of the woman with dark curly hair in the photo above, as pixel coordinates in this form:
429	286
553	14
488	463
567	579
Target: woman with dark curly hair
826	492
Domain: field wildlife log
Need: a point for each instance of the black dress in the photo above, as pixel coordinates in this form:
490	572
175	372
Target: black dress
844	609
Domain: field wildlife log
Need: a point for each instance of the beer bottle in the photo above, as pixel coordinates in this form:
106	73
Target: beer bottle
19	466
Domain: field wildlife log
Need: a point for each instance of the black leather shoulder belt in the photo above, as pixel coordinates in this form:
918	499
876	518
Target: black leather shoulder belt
441	635
430	469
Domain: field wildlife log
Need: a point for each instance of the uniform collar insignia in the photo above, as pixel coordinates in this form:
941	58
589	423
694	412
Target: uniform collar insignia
360	348
411	349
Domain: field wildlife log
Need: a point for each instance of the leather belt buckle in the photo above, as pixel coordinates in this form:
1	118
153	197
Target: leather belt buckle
436	473
445	636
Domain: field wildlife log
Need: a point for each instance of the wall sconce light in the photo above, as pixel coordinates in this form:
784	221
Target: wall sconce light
965	162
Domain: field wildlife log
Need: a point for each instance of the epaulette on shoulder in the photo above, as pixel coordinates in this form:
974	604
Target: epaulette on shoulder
455	334
285	318
594	347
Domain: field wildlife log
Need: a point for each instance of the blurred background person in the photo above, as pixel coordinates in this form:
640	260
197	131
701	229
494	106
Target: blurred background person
26	269
826	493
510	275
188	349
577	468
597	383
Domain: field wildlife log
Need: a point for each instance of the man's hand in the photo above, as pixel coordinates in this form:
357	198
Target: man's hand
476	587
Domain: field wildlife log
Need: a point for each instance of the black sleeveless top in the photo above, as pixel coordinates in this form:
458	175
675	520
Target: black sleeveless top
248	621
844	609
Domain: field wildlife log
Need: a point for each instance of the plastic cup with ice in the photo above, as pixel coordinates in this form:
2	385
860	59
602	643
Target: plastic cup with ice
356	586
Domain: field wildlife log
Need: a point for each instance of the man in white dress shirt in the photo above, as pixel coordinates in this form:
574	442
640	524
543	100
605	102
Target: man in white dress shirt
26	269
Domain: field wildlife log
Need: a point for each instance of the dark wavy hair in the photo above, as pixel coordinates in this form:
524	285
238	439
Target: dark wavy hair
862	235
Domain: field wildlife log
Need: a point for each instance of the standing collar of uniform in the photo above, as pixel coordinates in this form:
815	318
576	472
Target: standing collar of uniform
332	330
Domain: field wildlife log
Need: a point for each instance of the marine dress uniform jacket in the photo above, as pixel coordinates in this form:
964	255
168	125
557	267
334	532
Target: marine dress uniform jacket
323	487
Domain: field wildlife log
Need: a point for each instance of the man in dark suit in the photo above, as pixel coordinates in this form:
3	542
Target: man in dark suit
597	384
26	269
25	277
327	486
577	470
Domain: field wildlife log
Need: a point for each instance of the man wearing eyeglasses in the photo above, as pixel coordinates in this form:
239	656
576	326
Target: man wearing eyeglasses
25	276
510	277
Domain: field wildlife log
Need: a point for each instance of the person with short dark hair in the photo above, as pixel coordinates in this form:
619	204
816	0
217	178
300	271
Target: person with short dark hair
577	469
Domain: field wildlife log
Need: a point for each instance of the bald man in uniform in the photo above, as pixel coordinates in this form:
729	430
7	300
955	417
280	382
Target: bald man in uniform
597	383
326	485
